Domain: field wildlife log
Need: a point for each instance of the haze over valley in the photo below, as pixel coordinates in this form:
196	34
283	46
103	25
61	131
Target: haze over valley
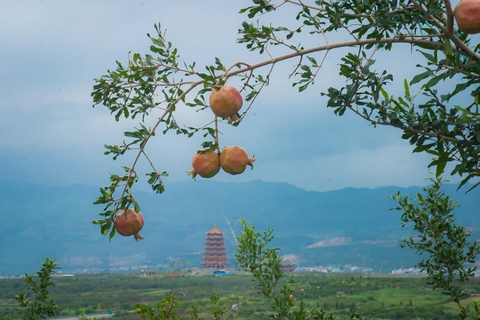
335	228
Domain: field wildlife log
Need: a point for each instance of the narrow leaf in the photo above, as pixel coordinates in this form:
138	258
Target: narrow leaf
407	89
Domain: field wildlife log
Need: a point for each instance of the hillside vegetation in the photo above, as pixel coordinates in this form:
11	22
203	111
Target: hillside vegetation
386	297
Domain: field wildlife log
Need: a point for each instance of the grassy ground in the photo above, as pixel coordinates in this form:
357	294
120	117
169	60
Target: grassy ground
375	297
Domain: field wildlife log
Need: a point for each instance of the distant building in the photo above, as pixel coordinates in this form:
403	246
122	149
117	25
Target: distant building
287	267
175	275
148	272
215	253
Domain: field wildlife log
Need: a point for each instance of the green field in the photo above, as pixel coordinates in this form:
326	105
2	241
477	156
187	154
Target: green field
376	297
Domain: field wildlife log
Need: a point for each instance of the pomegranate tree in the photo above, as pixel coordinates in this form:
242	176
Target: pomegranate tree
467	14
234	159
225	102
129	223
205	163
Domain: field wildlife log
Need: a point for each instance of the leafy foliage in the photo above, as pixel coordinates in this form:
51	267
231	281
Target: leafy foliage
254	255
441	118
441	240
380	297
445	243
166	309
36	304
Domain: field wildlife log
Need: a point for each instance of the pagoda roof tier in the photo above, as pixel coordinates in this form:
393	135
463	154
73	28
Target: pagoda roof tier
209	253
214	230
215	262
215	266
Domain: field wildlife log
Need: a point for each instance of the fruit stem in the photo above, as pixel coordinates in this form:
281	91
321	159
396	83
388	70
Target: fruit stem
192	173
217	142
251	161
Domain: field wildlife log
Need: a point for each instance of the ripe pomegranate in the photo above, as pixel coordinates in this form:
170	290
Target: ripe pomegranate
234	159
225	102
205	163
467	14
129	223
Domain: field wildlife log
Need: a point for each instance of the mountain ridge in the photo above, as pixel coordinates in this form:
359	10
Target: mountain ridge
56	221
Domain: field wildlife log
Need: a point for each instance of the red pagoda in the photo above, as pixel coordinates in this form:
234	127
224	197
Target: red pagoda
214	254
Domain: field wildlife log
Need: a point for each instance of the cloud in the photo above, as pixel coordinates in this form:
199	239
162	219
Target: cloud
51	52
371	168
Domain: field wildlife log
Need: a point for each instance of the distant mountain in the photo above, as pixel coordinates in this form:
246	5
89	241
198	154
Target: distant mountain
349	226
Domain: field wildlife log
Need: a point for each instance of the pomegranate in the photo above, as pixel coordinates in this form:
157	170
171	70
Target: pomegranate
467	14
205	163
234	159
225	102
129	223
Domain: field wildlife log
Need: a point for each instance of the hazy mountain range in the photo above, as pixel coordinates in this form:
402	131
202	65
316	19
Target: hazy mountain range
348	226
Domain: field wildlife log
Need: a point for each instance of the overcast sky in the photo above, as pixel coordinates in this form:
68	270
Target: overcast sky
51	51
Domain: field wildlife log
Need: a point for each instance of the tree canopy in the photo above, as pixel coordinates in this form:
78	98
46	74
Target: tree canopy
437	112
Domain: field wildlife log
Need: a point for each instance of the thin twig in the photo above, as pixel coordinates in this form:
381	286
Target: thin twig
231	229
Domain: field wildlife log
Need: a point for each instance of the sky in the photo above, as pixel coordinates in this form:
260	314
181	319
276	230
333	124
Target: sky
51	51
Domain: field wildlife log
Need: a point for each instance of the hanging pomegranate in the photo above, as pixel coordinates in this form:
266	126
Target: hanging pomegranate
467	14
205	163
225	102
129	223
234	159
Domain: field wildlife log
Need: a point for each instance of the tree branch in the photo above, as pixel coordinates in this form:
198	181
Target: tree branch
448	31
409	129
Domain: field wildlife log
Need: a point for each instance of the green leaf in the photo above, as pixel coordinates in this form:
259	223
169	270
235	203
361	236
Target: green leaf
424	147
447	48
104	228
433	81
112	233
99	221
303	87
473	187
402	102
421	76
313	61
136	206
131	134
384	93
407	88
429	57
464	181
159	188
440	168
